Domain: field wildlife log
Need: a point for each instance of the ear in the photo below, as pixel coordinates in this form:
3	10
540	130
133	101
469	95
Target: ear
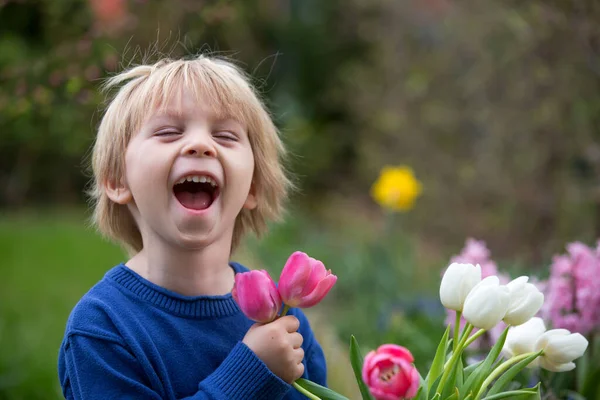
118	192
251	201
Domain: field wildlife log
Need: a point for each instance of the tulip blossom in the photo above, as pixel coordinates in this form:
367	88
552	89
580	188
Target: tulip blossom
304	281
522	339
389	373
487	303
560	347
256	294
457	282
525	301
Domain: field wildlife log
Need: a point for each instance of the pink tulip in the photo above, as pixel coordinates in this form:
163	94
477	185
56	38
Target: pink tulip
389	373
304	281
256	294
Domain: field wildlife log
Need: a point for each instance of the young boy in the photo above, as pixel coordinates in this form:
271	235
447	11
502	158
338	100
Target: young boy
186	161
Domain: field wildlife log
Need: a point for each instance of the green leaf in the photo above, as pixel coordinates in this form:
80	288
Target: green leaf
508	376
482	371
422	392
460	376
420	395
469	369
320	391
356	359
450	385
521	394
433	388
437	366
454	396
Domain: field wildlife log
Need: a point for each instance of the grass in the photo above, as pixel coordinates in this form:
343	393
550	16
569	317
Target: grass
48	261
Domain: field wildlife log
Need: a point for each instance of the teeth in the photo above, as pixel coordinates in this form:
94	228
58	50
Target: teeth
198	178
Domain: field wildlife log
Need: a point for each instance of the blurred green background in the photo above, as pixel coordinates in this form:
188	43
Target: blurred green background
495	106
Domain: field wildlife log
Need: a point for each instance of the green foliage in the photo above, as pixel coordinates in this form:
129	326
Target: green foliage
49	260
357	360
437	365
322	392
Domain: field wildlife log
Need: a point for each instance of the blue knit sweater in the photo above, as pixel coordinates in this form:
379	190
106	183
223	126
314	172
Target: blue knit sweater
128	338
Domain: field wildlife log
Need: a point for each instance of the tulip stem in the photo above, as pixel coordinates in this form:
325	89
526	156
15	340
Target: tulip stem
500	369
305	392
455	337
448	367
285	310
474	337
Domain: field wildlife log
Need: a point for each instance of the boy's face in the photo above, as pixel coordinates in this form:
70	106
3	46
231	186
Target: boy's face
188	175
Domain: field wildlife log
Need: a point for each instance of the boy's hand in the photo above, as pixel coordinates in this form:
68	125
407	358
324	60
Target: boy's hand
278	345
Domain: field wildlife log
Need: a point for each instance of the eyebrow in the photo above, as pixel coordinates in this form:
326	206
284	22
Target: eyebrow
174	115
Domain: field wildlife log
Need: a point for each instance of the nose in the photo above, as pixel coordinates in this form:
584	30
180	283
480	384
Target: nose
199	144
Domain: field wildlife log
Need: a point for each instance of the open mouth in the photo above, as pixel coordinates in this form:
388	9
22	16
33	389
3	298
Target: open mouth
196	192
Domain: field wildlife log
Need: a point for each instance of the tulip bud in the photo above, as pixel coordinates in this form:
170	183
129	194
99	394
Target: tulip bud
486	304
525	301
389	373
304	281
560	348
522	339
256	294
457	282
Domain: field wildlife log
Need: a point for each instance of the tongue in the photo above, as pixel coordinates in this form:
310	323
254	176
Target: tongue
196	201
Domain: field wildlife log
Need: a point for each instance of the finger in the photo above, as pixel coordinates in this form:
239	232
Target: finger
290	323
299	371
295	339
298	354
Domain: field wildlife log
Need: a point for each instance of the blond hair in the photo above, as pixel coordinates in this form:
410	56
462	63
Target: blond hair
145	88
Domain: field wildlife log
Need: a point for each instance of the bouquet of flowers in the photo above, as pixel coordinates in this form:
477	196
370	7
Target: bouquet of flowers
388	373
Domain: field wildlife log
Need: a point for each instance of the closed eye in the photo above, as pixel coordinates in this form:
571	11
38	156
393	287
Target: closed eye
226	135
167	132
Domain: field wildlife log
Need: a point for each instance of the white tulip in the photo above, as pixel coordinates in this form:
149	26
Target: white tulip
522	339
487	303
525	301
560	347
457	282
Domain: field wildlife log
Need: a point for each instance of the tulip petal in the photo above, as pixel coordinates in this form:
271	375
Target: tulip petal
294	276
317	273
389	375
395	350
400	383
256	295
368	365
415	378
557	367
381	395
323	287
487	303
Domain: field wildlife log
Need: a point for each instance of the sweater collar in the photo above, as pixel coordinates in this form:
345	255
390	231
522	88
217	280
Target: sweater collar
175	303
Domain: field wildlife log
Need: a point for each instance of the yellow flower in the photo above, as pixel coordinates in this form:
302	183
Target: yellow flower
396	188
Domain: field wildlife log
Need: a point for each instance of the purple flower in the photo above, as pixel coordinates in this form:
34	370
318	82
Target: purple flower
573	290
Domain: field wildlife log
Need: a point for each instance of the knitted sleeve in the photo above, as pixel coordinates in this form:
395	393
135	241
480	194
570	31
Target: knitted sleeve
315	364
314	358
95	368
